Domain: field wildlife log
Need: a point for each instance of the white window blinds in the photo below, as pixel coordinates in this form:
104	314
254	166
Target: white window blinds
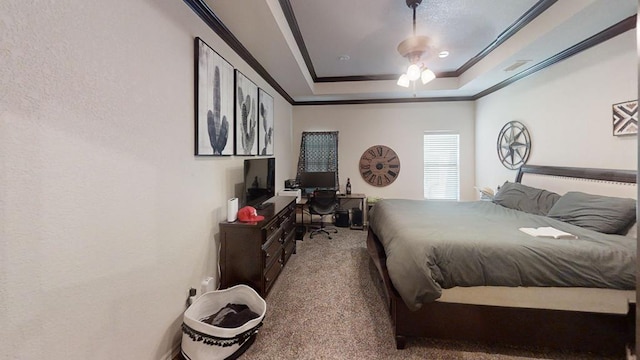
441	166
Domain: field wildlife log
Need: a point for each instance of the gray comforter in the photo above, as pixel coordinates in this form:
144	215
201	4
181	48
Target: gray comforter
432	245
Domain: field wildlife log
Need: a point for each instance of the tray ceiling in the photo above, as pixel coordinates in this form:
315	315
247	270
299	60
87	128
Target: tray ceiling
345	51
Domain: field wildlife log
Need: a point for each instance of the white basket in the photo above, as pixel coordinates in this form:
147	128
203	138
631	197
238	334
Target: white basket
201	341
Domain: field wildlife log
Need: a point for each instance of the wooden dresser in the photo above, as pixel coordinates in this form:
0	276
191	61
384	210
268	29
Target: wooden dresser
254	253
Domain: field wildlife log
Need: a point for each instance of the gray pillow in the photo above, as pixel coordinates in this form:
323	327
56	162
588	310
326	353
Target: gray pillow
525	198
609	215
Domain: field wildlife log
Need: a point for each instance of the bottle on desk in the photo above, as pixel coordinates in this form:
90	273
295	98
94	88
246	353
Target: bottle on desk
348	187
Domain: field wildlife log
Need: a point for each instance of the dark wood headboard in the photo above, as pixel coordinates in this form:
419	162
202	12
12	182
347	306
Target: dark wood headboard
621	176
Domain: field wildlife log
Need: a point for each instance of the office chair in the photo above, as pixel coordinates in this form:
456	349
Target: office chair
323	202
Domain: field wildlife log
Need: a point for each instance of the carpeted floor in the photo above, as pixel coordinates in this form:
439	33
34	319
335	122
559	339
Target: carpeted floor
327	304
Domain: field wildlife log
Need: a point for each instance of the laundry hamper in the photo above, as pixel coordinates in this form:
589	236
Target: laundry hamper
202	341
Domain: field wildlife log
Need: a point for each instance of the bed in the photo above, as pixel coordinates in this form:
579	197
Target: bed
464	270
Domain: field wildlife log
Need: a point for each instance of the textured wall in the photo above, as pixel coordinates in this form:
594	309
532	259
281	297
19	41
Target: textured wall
399	126
567	110
106	217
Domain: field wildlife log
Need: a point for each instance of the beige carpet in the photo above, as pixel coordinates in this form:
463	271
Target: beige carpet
327	304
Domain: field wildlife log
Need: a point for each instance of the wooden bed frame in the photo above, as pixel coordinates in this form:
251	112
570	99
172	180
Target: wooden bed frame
544	328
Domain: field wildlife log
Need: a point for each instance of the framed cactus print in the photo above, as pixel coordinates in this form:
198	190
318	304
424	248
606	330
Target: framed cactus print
214	131
265	123
246	95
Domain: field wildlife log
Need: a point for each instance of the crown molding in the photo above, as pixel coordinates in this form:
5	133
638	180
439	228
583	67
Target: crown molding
207	15
384	101
609	33
606	34
537	9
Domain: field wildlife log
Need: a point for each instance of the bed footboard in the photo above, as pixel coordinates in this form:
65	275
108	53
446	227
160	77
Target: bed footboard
553	329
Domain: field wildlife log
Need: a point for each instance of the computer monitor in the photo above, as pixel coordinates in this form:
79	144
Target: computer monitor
323	180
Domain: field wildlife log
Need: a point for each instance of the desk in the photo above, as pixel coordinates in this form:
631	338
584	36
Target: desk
363	206
342	198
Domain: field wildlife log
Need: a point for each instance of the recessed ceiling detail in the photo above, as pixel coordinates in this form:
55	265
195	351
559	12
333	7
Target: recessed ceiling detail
295	45
383	24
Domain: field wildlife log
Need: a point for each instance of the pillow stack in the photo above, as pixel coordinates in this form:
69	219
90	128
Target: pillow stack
605	214
525	198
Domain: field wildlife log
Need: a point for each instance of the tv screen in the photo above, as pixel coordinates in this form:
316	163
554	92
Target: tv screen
259	180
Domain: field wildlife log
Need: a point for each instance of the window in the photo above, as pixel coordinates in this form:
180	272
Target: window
441	166
318	152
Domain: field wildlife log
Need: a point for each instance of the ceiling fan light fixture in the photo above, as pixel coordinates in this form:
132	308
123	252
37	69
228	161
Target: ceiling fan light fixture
404	81
413	72
413	48
427	75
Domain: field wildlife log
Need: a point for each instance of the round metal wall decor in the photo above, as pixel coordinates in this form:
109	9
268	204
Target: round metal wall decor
514	145
379	165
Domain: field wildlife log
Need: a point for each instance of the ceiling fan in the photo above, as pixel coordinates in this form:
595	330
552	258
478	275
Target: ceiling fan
413	48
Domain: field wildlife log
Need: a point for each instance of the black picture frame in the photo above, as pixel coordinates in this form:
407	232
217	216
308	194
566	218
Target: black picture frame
265	123
214	102
246	115
625	118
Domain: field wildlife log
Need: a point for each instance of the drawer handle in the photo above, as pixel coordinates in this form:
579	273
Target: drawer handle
280	261
266	279
268	255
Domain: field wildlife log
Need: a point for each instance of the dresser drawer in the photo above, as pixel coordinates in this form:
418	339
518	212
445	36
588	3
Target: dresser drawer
274	236
288	223
272	272
271	251
271	228
289	246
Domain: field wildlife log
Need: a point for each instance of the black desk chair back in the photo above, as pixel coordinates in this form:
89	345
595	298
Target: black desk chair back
323	203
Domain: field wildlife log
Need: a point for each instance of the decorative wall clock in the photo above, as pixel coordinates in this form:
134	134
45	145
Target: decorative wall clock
514	145
379	165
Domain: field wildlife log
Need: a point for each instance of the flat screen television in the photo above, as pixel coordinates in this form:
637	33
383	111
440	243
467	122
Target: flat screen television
259	180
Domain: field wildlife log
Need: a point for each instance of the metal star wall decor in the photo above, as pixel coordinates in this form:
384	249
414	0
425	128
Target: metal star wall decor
514	145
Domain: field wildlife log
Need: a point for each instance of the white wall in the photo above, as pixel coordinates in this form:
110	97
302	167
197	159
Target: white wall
399	126
567	110
106	217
